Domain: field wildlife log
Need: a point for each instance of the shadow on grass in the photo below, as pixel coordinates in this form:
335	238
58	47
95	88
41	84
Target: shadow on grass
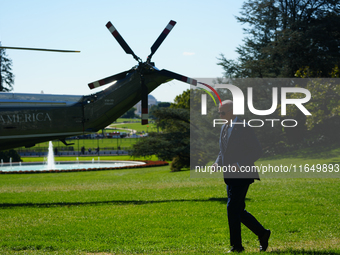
308	252
222	200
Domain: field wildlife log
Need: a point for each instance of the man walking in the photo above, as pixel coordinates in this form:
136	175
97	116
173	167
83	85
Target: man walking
239	149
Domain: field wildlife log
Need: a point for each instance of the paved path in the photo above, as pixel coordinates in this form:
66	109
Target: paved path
132	131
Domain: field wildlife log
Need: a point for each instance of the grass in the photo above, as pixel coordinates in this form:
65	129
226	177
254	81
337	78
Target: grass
136	126
124	143
311	157
155	211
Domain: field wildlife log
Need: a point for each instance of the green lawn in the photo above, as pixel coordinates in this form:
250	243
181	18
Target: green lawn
155	211
136	126
123	143
123	120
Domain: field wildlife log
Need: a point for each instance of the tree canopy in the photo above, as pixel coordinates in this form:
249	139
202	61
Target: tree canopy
182	100
157	107
285	35
6	75
173	143
293	39
130	114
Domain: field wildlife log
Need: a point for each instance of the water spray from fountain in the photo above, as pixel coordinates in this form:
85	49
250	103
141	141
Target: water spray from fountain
50	157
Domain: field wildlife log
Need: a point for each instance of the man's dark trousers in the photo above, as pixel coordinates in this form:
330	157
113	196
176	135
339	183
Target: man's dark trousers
237	214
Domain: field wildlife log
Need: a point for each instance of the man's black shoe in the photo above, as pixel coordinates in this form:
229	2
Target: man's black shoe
236	249
264	240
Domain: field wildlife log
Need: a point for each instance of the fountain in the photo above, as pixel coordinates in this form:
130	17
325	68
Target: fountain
50	156
51	166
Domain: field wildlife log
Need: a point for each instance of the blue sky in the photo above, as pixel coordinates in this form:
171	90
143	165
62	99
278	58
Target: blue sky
204	30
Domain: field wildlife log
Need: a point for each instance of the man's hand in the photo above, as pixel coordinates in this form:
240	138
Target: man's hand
214	167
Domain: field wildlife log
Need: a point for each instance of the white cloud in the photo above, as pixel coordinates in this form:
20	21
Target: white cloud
188	53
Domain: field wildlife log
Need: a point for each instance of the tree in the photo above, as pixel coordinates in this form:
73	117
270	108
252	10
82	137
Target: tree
156	107
6	75
182	101
10	154
293	38
163	104
130	114
325	103
173	144
285	35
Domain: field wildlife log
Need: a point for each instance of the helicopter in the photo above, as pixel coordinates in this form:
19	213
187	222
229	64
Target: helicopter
27	119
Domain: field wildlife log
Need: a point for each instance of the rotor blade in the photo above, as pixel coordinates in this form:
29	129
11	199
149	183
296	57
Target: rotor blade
178	77
20	48
145	105
120	40
107	80
161	38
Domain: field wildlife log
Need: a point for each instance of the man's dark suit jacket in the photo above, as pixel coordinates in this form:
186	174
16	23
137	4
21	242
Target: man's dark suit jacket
243	148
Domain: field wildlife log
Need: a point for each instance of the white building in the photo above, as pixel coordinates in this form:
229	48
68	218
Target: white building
151	101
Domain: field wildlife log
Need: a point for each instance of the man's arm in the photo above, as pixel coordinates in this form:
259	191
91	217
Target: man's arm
218	161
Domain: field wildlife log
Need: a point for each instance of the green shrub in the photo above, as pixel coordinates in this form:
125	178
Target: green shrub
6	155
